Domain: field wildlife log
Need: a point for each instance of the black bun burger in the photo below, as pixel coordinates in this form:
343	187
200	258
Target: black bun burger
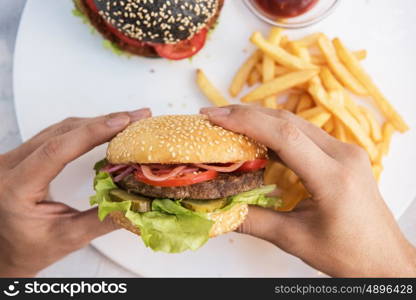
173	29
179	180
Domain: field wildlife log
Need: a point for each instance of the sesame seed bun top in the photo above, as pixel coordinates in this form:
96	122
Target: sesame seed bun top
158	21
177	139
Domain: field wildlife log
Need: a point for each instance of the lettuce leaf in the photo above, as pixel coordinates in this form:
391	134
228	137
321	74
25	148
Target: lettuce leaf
169	227
103	184
79	14
106	43
114	48
99	165
258	197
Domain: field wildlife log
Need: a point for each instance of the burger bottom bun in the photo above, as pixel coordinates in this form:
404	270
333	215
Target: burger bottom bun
224	221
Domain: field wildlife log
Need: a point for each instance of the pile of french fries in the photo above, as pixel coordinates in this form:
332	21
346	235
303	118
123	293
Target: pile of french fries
318	80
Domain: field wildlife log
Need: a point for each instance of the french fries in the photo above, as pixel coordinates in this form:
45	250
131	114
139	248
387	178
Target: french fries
279	70
311	113
280	55
320	119
305	103
377	169
243	73
292	196
292	102
329	81
320	96
339	131
319	59
388	131
330	125
332	84
279	84
254	77
382	103
316	76
268	66
375	129
308	41
338	68
209	90
301	52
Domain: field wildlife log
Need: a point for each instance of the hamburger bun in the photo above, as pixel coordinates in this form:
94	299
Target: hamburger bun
224	222
158	21
175	139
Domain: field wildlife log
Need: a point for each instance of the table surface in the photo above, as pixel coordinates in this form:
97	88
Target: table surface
93	263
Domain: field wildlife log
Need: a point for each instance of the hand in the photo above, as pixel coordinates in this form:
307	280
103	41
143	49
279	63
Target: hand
34	232
345	228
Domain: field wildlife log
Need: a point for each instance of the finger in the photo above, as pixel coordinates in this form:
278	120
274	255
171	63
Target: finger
51	208
20	153
278	228
87	226
326	142
294	148
17	155
38	169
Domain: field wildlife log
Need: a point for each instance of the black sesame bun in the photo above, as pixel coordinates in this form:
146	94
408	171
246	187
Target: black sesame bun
150	21
158	21
178	139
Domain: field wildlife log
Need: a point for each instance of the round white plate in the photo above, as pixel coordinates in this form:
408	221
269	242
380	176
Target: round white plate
62	70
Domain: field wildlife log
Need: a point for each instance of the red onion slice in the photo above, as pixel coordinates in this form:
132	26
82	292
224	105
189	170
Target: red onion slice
228	169
147	172
116	168
123	174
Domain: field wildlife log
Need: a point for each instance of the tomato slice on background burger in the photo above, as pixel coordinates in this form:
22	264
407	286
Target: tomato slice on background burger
184	180
183	49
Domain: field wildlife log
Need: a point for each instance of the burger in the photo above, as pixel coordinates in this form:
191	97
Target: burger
179	180
173	29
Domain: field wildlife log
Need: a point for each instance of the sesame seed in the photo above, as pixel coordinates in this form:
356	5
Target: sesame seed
181	138
158	21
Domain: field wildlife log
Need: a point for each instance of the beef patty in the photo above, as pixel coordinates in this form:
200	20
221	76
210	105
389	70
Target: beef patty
146	50
226	184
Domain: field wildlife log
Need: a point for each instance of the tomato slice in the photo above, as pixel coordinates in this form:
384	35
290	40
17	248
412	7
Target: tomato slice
253	165
184	180
183	49
92	6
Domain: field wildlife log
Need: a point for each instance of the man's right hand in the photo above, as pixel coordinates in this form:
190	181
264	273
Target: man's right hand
345	229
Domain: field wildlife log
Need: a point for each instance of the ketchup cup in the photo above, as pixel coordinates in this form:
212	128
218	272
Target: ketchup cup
292	14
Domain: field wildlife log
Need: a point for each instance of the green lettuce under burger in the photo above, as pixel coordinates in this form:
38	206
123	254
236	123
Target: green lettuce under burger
174	198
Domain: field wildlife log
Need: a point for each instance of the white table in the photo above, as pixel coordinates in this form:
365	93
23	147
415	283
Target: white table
86	262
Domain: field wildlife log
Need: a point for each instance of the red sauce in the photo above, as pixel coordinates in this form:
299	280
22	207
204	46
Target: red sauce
285	8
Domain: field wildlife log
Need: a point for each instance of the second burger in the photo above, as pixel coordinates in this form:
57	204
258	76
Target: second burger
175	29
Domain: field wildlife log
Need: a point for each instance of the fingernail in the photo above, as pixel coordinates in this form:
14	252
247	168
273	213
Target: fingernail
218	112
139	114
118	121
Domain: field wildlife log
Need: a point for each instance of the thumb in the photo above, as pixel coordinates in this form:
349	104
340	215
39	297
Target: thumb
89	227
272	226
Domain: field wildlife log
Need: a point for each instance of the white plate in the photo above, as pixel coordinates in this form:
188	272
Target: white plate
62	70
